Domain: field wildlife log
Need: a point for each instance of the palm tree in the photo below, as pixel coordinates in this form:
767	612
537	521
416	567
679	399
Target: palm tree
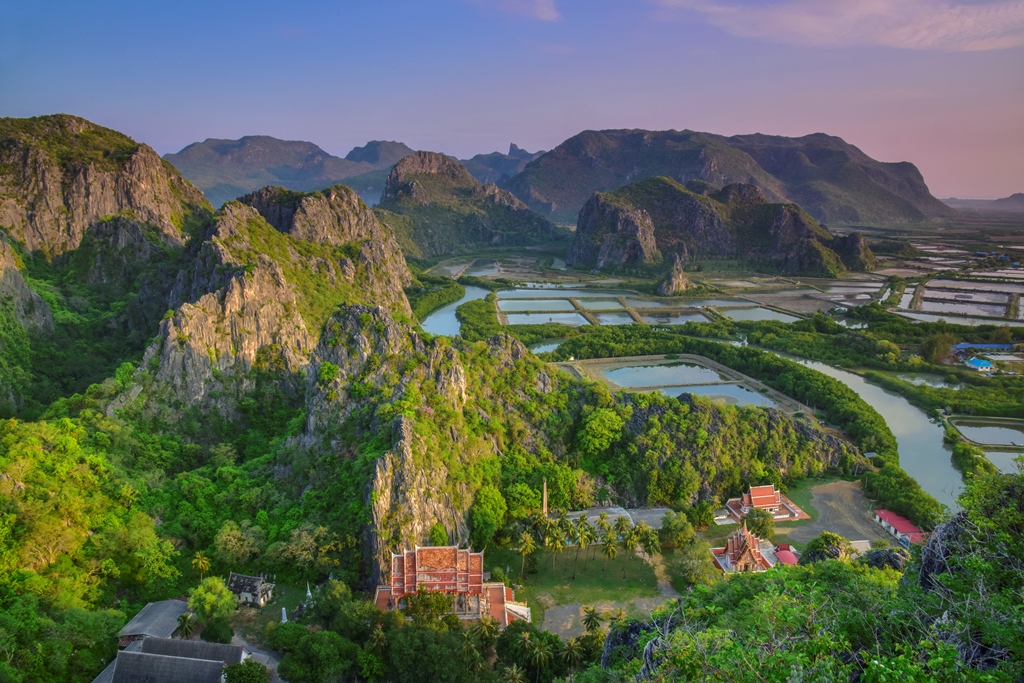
555	543
467	650
186	625
573	534
618	614
487	630
378	640
587	538
629	543
622	525
602	522
591	618
649	539
513	674
201	563
572	654
540	655
610	549
527	546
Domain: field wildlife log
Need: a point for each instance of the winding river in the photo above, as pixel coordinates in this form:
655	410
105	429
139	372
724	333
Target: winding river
443	320
922	452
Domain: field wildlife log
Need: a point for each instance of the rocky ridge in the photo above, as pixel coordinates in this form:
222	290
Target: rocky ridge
60	174
832	179
437	207
636	224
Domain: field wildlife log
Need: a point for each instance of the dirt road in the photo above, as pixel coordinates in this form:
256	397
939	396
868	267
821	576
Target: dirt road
842	509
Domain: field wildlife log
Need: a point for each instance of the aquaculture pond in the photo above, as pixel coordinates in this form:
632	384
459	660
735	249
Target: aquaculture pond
674	318
557	293
1005	461
443	320
614	318
539	318
666	374
963	308
519	305
600	304
734	394
546	346
991	433
759	314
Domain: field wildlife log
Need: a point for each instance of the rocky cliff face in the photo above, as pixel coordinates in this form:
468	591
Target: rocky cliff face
59	175
442	209
676	281
612	235
255	297
28	308
338	217
628	226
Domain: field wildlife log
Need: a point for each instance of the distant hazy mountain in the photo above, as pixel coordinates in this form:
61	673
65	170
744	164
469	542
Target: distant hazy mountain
832	180
1015	202
226	169
497	167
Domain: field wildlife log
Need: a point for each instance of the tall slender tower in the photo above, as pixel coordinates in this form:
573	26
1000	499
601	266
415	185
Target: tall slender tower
544	503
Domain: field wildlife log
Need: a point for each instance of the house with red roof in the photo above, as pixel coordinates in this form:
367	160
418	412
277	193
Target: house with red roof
456	572
785	555
768	498
902	528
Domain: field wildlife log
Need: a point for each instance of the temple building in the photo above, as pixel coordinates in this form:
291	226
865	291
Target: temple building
768	498
456	572
744	552
250	590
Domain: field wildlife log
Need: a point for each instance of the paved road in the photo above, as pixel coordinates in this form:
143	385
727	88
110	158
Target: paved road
650	515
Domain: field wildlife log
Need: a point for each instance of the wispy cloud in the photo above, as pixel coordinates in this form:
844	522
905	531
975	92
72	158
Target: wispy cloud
542	10
907	24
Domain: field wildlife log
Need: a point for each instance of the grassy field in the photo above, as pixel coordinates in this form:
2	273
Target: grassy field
620	580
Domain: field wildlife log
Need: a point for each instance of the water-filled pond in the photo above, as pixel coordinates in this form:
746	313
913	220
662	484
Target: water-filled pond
666	374
1004	461
759	314
443	320
482	270
983	297
958	320
674	318
908	296
540	318
546	346
991	433
977	286
614	318
925	379
600	304
963	308
556	293
515	305
734	394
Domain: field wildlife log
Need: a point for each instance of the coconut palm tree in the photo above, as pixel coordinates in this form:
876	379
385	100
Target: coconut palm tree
540	655
602	522
513	674
587	536
487	630
201	563
622	525
610	549
527	546
467	650
555	543
617	614
572	654
630	541
591	618
186	625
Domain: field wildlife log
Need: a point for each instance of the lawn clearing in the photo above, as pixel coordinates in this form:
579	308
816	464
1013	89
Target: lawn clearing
251	622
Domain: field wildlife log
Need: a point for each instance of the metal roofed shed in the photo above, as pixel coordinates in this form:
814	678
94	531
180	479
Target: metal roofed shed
157	619
138	667
194	649
983	347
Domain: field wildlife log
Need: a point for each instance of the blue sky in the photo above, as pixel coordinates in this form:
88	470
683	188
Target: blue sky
938	83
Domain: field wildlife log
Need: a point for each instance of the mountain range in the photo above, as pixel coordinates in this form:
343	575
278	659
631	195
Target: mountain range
831	179
1015	202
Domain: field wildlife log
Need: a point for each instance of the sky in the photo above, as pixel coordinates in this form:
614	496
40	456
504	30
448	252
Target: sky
939	83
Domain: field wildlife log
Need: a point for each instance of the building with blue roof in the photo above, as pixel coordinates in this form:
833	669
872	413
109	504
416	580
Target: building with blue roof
979	365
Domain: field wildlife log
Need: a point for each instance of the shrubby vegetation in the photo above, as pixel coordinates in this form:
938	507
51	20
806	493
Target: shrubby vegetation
427	293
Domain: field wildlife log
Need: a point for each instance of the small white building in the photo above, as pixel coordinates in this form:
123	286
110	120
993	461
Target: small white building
250	590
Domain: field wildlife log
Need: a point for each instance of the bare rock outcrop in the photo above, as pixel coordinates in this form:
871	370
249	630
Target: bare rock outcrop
611	235
61	174
676	281
28	307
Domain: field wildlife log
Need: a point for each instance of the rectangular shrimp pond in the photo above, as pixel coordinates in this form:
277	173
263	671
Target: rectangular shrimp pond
673	379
